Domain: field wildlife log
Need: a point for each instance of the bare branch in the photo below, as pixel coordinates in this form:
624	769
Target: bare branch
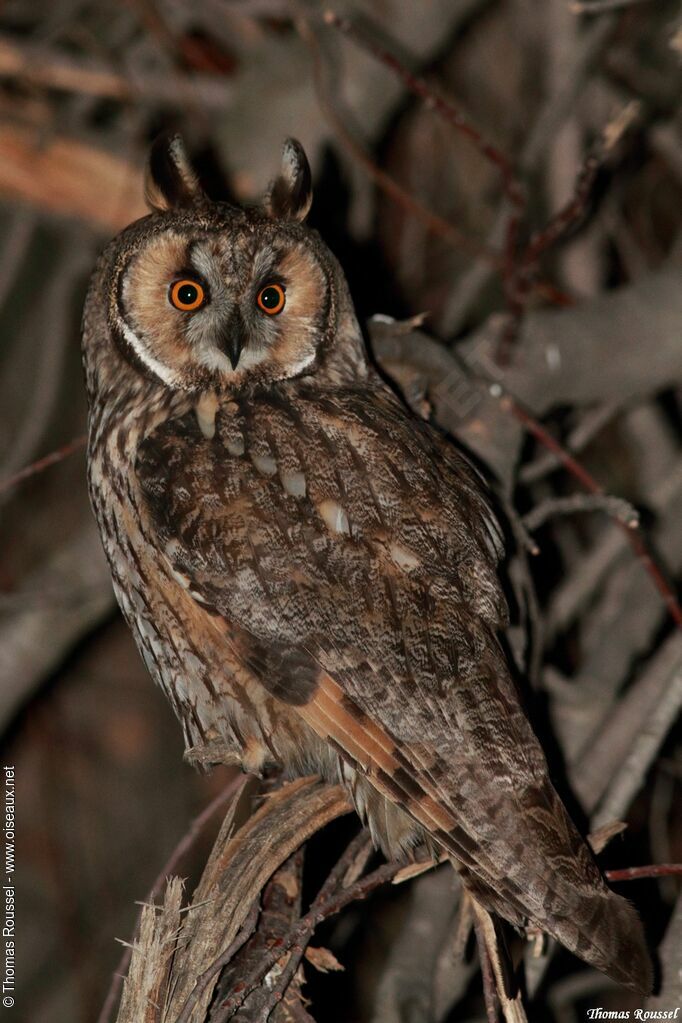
616	507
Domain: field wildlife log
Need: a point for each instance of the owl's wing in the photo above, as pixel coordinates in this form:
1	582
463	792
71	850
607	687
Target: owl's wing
353	554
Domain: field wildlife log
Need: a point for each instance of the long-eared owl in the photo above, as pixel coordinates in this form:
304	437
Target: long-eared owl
308	569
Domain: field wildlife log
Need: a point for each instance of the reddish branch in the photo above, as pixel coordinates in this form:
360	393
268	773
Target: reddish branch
633	533
559	225
43	463
445	108
517	288
520	268
517	263
453	116
515	267
434	224
653	870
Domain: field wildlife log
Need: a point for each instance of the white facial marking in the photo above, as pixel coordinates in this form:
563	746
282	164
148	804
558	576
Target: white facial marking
215	360
298	367
163	372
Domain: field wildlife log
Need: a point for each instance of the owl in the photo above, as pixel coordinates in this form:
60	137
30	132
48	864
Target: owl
308	569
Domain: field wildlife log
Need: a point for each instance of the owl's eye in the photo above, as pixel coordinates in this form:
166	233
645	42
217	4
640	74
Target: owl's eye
271	299
187	295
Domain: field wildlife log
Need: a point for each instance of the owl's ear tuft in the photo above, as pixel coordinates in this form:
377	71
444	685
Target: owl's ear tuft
291	193
170	180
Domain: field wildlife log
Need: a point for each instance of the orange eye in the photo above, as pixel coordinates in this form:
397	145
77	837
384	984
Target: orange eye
271	299
187	295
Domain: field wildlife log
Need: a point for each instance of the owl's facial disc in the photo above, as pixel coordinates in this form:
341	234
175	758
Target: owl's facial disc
219	308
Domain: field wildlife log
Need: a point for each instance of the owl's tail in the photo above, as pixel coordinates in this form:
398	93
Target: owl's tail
601	928
611	937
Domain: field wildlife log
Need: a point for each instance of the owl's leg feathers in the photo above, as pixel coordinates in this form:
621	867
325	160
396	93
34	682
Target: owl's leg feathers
252	756
210	753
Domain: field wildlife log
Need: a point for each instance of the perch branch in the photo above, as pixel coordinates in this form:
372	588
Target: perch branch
211	972
327	904
231	792
239	868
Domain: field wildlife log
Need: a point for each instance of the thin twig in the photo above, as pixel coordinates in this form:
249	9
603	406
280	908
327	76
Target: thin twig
560	102
433	101
335	881
518	277
562	222
559	225
517	270
601	6
338	874
301	934
285	978
43	463
487	975
169	867
653	870
634	536
502	261
585	431
516	286
616	507
434	224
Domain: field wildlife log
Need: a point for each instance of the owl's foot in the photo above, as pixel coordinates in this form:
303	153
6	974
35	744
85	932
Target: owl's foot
252	758
217	751
538	939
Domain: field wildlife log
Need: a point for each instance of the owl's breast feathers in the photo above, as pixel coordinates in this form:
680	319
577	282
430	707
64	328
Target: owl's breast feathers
352	555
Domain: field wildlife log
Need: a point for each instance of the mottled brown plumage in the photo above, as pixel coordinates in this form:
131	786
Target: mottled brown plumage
308	569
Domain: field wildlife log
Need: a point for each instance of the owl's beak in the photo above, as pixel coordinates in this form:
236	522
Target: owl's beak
233	338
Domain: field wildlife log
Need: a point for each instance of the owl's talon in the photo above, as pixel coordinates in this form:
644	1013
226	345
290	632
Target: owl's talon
211	753
538	939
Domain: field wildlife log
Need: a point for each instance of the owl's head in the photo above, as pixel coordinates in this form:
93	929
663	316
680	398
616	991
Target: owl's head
203	294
